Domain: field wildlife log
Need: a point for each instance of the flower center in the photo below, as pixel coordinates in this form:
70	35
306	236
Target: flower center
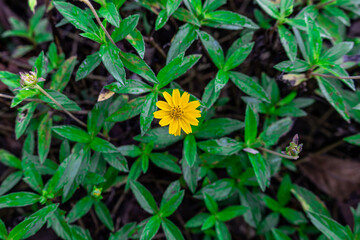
176	112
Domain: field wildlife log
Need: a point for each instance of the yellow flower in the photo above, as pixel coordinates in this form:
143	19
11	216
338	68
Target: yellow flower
178	112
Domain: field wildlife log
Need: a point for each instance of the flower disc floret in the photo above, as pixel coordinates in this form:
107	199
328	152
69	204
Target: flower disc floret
178	112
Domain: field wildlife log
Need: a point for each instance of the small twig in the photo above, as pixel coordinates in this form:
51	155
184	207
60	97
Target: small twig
155	45
336	77
278	154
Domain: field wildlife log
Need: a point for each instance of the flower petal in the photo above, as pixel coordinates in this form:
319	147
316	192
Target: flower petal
173	128
163	105
185	126
184	100
190	119
176	97
193	113
192	105
168	98
166	121
161	114
178	133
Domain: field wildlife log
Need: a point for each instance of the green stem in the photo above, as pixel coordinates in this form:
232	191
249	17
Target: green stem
60	106
336	77
88	3
278	154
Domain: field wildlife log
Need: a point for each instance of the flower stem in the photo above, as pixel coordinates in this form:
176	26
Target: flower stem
278	154
60	106
88	3
331	76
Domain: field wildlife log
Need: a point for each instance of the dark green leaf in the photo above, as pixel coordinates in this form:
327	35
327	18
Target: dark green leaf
147	112
165	161
250	125
117	161
62	76
231	212
144	197
19	199
213	48
261	168
210	203
172	232
288	41
23	118
223	146
354	139
190	149
10	181
104	215
110	56
130	110
72	133
88	65
222	232
9	160
227	20
151	228
238	56
127	26
80	209
101	145
111	14
44	137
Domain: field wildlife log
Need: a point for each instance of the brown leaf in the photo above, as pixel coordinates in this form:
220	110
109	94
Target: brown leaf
336	177
105	94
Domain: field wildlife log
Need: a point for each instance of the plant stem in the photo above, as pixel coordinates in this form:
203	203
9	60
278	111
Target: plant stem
60	106
331	76
278	154
321	5
88	3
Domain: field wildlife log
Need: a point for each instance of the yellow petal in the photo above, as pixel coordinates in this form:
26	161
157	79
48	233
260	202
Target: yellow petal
163	105
173	128
176	97
161	114
193	113
190	119
178	133
166	121
184	100
192	105
168	98
185	126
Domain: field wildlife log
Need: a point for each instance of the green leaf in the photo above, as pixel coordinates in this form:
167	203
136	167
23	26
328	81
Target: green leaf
165	161
62	99
186	16
130	150
210	203
131	86
337	51
330	228
354	139
195	6
334	97
23	118
190	149
218	190
208	223
127	26
197	220
3	231
210	95
138	66
190	175
222	232
315	41
33	223
227	20
270	8
130	110
137	41
309	201
9	159
288	41
161	19
298	66
117	161
284	193
147	113
104	215
182	41
22	95
261	168
81	208
9	182
72	133
171	6
211	5
172	204
60	79
44	137
293	216
32	5
31	175
19	199
175	68
272	133
101	145
218	127
124	233
231	212
221	80
238	56
172	232
286	7
110	56
160	136
88	65
213	48
271	203
59	225
223	146
111	14
76	16
96	119
279	235
144	197
151	228
250	125
10	79
249	86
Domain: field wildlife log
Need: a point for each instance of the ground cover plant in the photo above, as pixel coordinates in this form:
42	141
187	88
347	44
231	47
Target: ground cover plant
179	119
